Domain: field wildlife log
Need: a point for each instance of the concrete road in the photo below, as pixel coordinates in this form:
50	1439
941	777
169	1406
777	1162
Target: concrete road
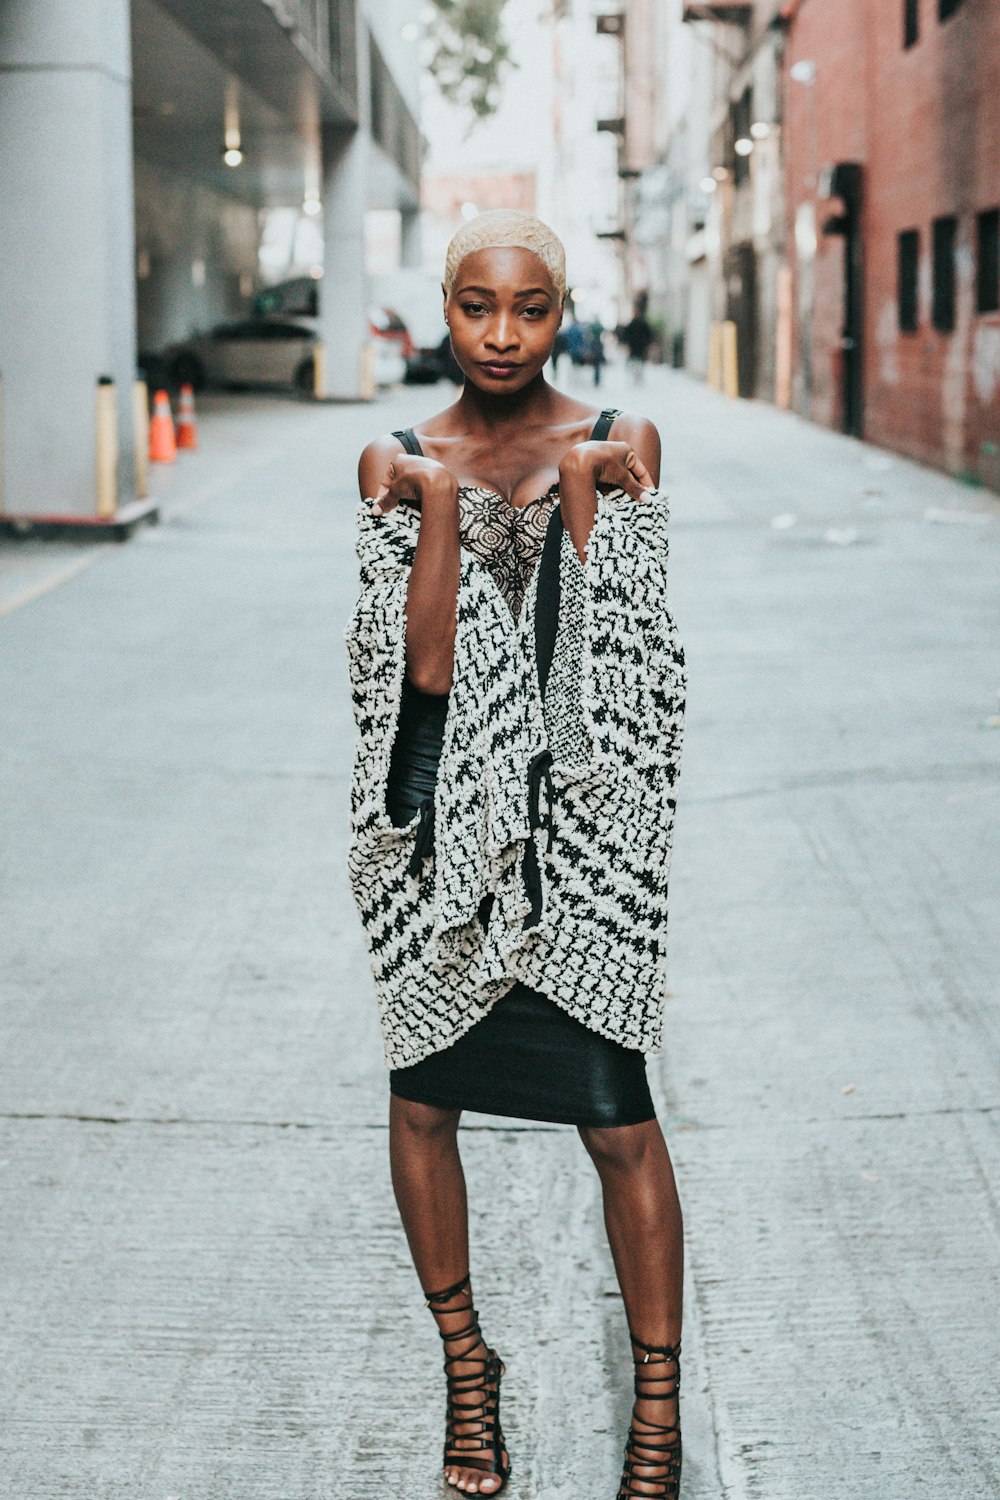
205	1293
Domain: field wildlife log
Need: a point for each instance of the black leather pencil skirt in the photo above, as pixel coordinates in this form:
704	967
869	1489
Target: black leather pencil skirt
527	1058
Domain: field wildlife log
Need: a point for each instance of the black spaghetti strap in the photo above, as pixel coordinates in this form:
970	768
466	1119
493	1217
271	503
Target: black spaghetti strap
547	600
604	424
408	438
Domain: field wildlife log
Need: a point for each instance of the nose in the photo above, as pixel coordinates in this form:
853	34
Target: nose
502	334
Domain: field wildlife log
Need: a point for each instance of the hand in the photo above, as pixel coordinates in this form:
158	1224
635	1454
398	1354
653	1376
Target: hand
615	464
409	477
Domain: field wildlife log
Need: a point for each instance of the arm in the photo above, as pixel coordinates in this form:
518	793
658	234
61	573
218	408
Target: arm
386	477
631	462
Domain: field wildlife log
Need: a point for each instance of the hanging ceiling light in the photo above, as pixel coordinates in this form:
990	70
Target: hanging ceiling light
232	151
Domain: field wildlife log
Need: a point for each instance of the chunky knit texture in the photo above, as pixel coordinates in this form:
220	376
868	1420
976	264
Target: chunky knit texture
575	852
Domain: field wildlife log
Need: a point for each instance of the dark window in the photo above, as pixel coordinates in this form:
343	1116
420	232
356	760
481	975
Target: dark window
988	261
276	333
740	120
947	8
909	257
943	301
911	22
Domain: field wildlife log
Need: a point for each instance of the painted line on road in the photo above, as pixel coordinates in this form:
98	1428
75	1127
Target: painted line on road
62	575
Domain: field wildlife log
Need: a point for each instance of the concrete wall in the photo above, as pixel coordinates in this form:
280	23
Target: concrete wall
392	23
67	302
193	247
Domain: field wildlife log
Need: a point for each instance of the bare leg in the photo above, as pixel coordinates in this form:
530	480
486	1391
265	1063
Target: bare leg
429	1184
645	1227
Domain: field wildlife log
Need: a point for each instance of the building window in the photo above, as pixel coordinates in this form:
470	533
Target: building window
943	273
740	119
909	257
988	261
911	22
948	8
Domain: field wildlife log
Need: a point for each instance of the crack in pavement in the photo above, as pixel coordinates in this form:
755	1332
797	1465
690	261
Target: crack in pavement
852	776
671	1122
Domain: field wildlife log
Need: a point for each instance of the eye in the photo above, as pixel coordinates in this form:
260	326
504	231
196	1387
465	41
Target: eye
473	309
534	311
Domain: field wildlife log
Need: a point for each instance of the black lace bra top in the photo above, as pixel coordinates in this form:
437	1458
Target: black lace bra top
507	539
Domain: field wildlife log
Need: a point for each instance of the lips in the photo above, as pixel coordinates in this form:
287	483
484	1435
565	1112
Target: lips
500	369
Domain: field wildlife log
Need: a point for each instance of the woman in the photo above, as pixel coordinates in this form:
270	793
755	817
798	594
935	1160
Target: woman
518	692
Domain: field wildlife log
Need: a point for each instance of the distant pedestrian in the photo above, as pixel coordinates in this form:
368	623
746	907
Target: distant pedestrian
576	343
510	832
596	353
637	336
558	350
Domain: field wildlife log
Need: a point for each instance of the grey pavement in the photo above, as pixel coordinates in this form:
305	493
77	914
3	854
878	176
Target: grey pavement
205	1292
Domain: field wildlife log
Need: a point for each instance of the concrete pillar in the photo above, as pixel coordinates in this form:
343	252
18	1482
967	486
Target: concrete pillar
67	289
344	292
411	243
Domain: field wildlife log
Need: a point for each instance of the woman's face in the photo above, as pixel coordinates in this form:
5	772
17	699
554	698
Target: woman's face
503	313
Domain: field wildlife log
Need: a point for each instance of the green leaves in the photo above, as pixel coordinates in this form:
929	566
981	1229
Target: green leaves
471	53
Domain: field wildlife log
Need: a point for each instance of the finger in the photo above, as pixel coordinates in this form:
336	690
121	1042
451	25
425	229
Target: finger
386	483
384	506
636	467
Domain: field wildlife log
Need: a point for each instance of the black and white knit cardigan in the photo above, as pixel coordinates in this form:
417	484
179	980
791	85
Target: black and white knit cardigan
574	849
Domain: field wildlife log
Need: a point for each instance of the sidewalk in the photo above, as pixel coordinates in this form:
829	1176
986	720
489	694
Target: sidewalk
204	1289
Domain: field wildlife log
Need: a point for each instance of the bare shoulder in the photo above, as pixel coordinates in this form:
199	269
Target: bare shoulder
628	428
374	461
643	436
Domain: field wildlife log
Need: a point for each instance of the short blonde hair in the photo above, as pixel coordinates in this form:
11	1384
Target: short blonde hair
503	227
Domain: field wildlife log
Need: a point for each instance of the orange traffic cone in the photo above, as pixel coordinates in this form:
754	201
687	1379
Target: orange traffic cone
187	430
162	441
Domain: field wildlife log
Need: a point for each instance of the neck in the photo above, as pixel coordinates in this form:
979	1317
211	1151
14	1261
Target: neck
483	409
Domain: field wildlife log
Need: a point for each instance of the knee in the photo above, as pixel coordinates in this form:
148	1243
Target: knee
622	1148
422	1124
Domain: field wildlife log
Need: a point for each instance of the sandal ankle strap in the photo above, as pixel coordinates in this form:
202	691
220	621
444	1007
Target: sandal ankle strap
433	1299
664	1351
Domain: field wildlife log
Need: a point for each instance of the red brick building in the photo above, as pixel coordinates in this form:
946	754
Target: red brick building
892	177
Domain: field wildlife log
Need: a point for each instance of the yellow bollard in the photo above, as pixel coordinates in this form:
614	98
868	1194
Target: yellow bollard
107	447
783	341
730	360
319	370
715	356
140	437
367	372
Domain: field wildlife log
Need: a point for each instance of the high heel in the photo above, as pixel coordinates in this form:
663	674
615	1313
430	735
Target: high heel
652	1447
472	1427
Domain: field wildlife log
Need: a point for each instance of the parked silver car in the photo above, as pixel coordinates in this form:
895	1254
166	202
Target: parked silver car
256	351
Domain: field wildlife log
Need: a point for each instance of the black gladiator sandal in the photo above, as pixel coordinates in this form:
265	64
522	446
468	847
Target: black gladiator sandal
651	1448
472	1427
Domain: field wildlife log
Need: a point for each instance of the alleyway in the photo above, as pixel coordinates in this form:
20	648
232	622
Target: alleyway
204	1291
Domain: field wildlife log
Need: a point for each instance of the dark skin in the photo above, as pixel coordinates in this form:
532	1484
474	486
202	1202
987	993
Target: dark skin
510	431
